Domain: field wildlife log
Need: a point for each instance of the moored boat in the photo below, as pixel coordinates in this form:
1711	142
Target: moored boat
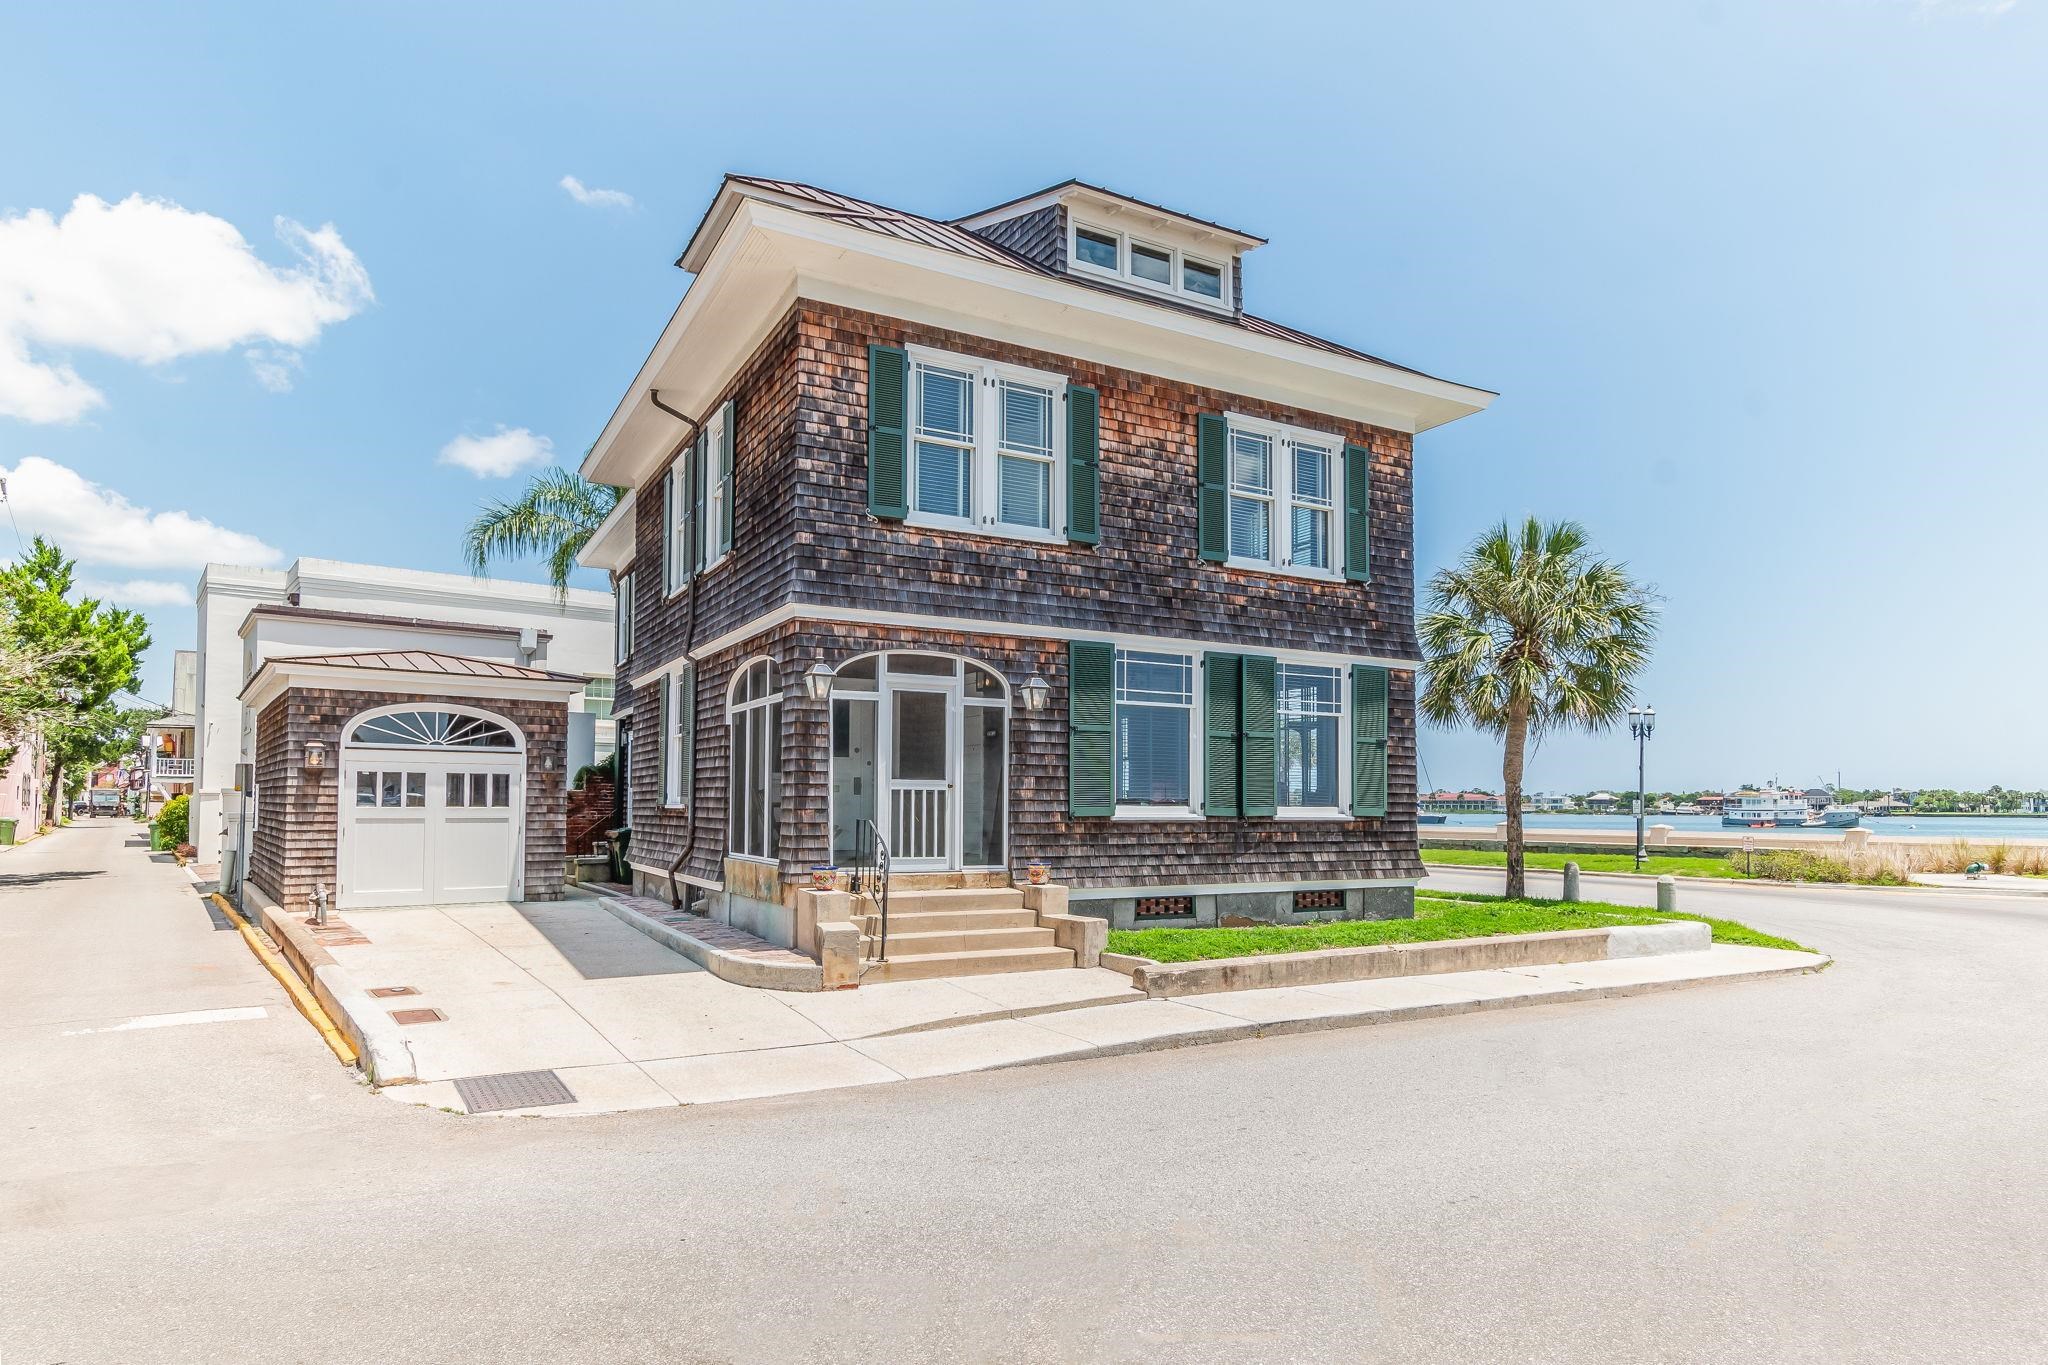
1766	809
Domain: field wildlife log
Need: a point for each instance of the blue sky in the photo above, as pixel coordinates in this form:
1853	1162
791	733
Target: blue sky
1761	285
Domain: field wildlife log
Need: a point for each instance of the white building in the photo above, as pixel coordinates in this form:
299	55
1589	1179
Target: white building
169	745
323	606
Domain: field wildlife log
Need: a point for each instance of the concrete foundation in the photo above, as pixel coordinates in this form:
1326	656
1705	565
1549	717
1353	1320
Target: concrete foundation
1274	906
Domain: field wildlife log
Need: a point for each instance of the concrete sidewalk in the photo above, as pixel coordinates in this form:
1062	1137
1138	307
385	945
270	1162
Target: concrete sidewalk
625	1023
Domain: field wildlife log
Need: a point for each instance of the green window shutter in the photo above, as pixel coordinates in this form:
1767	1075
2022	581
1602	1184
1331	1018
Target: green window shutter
661	741
726	445
1358	514
1212	466
1222	763
888	403
686	727
1368	740
1091	712
700	450
1256	709
668	531
1084	465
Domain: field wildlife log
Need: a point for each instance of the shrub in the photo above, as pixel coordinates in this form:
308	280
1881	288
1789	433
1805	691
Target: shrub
174	822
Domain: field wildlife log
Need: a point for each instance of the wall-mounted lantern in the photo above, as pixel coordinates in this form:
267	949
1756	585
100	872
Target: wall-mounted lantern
1037	692
316	754
818	681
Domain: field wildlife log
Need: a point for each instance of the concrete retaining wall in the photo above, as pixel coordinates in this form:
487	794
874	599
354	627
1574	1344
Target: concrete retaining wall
1319	968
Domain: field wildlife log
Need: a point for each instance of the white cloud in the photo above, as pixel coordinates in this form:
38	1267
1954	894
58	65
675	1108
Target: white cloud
506	451
137	593
95	525
275	367
148	281
597	199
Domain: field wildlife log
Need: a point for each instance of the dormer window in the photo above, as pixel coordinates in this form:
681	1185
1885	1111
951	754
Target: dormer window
1152	266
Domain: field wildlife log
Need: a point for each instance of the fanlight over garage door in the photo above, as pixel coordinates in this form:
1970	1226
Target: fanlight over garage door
436	729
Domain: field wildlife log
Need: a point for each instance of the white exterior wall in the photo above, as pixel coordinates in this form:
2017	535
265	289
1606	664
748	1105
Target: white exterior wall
580	632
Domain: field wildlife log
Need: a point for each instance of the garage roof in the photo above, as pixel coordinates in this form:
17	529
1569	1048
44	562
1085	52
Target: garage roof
428	661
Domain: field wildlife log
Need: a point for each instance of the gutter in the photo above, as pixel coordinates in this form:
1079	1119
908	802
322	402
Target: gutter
675	892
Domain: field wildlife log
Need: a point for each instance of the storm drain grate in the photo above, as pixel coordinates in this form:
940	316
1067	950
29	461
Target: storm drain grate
512	1090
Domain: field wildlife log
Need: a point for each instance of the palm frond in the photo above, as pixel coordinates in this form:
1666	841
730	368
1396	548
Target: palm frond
551	520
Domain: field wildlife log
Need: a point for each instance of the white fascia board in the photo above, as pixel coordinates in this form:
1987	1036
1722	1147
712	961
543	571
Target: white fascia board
611	545
1008	630
768	256
274	675
377	583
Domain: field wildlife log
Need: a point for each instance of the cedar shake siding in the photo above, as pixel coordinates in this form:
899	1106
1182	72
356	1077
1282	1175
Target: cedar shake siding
803	534
1085	852
1145	577
1040	236
294	845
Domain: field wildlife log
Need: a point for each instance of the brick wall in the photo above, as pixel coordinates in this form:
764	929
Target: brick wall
294	845
590	811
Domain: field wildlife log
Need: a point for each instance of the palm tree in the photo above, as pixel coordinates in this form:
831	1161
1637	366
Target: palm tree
1529	633
552	519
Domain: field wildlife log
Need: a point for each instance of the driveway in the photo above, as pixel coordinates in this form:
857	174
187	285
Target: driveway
1838	1168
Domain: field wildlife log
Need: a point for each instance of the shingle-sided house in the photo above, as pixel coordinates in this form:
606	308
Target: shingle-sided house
1005	540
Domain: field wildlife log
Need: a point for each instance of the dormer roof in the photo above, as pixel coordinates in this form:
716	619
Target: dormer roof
1111	203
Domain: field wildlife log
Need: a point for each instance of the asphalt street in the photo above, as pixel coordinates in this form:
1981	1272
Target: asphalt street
1837	1167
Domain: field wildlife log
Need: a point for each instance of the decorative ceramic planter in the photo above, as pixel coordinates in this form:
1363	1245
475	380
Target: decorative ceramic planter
824	877
1039	873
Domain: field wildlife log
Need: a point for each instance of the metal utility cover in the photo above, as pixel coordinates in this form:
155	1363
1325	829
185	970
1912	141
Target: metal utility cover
512	1090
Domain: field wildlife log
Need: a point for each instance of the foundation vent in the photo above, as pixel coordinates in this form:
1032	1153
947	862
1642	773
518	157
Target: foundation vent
1165	907
1318	900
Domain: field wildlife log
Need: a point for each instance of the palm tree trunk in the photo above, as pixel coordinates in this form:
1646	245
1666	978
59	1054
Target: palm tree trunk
1511	782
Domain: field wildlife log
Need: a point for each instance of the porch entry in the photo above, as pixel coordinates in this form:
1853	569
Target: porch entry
920	747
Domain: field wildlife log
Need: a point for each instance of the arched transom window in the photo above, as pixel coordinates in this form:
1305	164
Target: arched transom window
433	729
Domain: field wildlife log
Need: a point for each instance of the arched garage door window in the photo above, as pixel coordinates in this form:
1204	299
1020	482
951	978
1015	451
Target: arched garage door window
435	729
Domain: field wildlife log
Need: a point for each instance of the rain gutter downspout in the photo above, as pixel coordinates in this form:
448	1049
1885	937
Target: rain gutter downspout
675	894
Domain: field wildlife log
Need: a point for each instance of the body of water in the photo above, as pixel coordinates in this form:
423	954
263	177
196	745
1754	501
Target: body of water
1981	828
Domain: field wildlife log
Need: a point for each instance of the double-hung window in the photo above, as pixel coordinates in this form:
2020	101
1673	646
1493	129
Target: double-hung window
622	625
1310	760
1155	730
1283	504
697	503
987	447
678	737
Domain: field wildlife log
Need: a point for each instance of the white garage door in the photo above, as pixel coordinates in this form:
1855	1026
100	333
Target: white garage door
427	824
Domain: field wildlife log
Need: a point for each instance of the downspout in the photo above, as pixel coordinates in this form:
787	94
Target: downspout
675	893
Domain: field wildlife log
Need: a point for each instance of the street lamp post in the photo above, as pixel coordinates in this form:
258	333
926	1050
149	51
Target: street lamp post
1641	721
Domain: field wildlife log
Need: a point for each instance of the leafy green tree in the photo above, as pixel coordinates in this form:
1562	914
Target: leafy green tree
89	653
1528	633
553	519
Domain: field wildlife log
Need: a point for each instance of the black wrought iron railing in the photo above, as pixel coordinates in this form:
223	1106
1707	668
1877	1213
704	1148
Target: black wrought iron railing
871	880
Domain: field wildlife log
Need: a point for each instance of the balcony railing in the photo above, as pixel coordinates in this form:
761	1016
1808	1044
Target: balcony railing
171	769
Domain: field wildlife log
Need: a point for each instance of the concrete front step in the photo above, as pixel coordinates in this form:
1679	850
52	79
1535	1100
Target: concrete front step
983	962
945	920
958	941
954	898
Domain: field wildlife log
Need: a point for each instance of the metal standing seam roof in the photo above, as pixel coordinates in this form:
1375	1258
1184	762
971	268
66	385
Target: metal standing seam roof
911	227
426	661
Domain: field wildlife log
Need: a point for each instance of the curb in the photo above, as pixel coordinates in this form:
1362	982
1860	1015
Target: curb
301	999
806	978
380	1047
1237	1030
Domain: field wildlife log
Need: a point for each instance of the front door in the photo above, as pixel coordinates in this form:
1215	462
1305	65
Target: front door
923	744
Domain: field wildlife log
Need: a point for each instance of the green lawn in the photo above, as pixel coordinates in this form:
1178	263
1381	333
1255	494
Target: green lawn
1653	866
1437	916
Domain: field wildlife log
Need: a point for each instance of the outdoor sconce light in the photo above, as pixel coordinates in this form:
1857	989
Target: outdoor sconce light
547	763
316	754
818	681
1037	692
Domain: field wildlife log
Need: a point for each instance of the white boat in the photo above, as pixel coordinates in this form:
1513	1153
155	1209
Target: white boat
1766	809
1835	817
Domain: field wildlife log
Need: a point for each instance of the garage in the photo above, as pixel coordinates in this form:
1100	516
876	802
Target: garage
398	778
432	809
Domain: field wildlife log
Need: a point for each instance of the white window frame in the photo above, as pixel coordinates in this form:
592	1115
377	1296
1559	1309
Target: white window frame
1197	734
738	804
1280	526
622	623
986	451
1176	286
714	482
1341	808
717	488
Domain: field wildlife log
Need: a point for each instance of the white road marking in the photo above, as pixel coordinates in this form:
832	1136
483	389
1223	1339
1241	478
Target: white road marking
174	1020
